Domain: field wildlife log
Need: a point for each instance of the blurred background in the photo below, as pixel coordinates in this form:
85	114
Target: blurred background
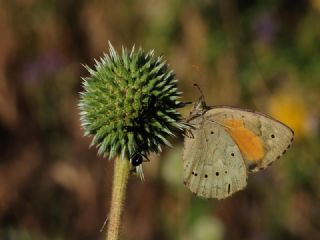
262	55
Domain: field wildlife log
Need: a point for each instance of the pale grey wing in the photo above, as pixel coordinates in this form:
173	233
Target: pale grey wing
213	164
276	136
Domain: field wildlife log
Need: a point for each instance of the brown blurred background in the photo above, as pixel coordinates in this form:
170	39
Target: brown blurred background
263	55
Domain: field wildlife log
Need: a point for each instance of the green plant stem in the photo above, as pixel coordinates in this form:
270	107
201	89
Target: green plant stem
120	180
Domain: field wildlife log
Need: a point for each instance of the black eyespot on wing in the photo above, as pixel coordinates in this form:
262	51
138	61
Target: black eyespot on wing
272	135
192	173
232	154
212	132
217	173
284	151
196	174
206	175
226	172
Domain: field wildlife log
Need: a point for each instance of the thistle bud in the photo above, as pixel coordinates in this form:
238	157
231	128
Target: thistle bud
129	103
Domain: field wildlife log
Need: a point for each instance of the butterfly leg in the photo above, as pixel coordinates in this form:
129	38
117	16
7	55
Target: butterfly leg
188	133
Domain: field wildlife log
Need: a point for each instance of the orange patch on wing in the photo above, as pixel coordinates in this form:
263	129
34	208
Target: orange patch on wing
250	145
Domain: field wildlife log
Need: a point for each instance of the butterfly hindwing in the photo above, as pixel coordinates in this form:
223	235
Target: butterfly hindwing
213	164
277	139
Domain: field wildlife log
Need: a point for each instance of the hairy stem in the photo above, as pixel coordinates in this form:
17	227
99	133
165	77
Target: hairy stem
120	180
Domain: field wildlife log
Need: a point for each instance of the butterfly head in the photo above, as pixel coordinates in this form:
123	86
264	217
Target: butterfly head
199	107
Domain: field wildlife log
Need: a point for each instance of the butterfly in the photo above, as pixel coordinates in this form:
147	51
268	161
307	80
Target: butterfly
224	144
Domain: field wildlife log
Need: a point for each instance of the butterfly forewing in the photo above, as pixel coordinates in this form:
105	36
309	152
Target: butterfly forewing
273	136
213	164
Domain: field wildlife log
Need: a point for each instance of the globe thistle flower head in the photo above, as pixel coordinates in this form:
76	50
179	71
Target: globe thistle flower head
129	103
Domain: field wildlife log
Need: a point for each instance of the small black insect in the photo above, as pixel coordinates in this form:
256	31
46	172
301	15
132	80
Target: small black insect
137	158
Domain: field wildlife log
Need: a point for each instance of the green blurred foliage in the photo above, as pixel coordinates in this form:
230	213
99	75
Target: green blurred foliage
252	54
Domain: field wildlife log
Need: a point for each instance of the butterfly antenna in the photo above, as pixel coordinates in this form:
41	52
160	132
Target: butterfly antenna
198	87
202	100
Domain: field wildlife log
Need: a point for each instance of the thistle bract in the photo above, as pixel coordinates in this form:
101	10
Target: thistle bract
129	103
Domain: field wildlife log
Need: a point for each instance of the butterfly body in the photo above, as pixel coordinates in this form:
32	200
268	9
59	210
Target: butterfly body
225	144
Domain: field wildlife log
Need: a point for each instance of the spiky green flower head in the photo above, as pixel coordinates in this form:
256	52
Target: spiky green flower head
129	103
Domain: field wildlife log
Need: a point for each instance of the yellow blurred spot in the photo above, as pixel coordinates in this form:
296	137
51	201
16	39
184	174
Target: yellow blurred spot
316	4
291	110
